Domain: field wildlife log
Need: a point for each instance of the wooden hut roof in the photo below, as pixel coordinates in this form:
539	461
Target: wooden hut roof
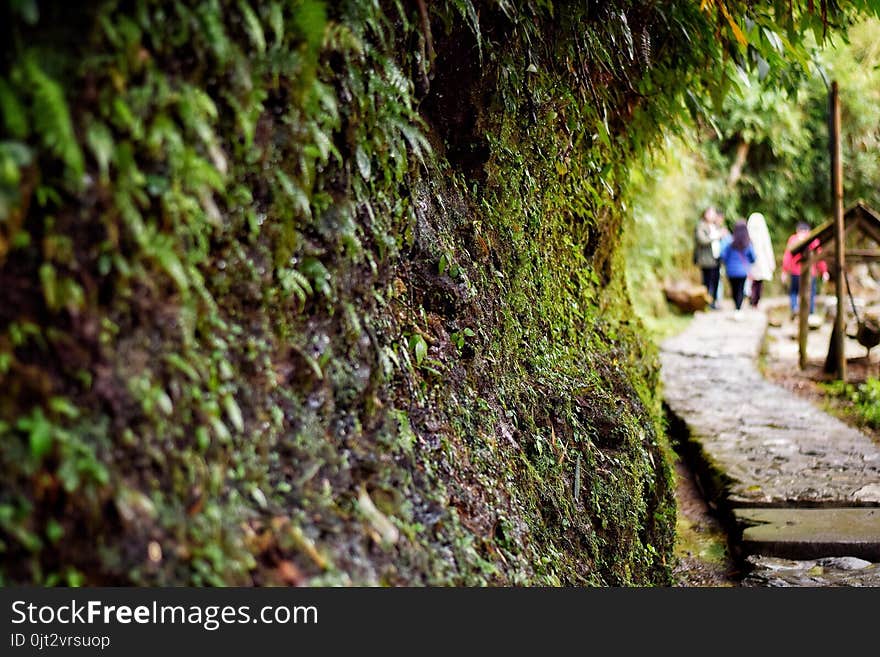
859	216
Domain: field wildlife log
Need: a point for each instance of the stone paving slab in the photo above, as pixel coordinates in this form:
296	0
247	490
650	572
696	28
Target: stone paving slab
811	533
771	447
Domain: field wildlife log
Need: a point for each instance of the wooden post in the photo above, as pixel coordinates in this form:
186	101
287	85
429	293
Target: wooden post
839	235
805	286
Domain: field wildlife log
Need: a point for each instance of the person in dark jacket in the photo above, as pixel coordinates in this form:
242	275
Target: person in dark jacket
707	239
738	257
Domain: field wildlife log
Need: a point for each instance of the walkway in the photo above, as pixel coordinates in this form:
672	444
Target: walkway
799	488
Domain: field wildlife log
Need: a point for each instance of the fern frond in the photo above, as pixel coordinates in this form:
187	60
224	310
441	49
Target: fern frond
252	26
52	120
210	16
13	112
276	22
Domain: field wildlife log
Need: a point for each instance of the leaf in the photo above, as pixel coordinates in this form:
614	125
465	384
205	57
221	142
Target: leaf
39	432
294	282
276	22
12	111
259	497
49	283
125	119
63	407
220	430
737	32
363	162
416	140
163	401
170	262
323	142
203	438
100	141
310	19
54	531
296	194
52	119
252	26
18	152
178	362
317	272
419	347
214	32
386	530
233	412
774	39
13	155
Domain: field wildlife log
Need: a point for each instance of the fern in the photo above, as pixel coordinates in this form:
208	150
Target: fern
13	156
311	18
252	26
210	15
467	11
198	112
296	194
276	22
295	284
13	112
52	120
16	153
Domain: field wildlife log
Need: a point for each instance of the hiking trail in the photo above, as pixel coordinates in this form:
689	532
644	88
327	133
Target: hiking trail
798	490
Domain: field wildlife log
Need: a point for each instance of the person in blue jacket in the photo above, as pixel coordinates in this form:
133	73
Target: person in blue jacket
738	256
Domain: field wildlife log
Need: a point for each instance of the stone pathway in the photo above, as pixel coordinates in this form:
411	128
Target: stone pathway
792	482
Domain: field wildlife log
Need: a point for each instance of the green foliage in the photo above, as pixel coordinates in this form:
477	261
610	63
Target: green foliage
781	130
787	171
864	398
248	244
51	117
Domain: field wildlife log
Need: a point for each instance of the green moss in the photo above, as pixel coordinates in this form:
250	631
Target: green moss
319	314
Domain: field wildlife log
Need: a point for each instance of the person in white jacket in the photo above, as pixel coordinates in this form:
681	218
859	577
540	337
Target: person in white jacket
765	260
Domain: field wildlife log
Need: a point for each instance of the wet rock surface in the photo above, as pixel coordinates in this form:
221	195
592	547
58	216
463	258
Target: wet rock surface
826	572
762	447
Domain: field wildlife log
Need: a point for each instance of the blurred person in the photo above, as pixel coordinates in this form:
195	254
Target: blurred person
707	251
738	256
791	268
765	260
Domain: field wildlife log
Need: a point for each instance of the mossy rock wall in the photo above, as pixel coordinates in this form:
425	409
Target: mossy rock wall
307	293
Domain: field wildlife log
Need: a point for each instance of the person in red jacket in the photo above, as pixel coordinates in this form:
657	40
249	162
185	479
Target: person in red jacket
791	268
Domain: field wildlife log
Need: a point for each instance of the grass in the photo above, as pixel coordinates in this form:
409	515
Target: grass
661	328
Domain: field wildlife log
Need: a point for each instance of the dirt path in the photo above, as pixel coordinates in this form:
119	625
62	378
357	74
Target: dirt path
762	451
